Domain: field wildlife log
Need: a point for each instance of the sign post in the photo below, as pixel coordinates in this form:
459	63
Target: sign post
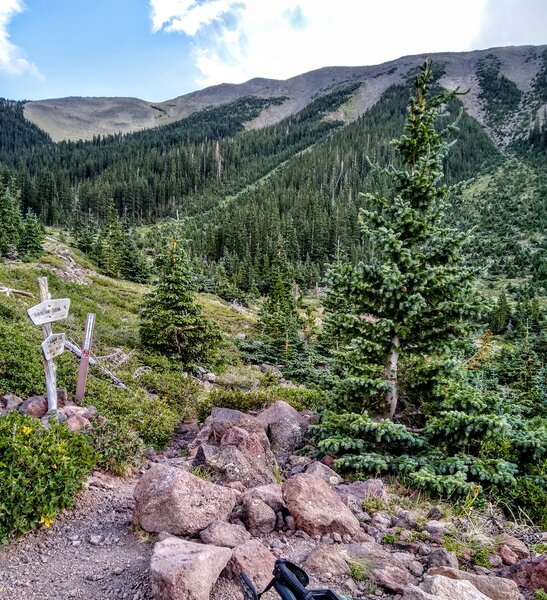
84	360
53	345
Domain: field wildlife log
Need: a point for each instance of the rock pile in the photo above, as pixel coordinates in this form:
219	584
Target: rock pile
243	498
76	417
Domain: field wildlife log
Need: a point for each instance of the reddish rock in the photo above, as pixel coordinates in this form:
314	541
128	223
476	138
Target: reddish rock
316	508
530	574
259	517
496	588
220	422
381	521
507	556
327	559
224	534
271	495
35	406
255	560
173	500
182	570
77	423
250	463
392	578
516	545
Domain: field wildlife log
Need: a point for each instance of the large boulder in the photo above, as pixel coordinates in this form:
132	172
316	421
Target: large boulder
255	560
328	559
317	509
173	500
530	574
443	588
220	421
182	570
259	517
246	460
35	406
220	533
491	586
386	569
284	426
271	494
354	494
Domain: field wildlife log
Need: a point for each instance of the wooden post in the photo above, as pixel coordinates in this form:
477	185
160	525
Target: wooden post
49	365
84	360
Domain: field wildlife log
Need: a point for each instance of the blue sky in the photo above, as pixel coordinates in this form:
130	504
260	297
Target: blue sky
159	49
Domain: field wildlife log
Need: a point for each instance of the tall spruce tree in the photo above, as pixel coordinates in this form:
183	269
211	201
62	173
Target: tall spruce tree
32	236
279	318
413	295
171	320
10	222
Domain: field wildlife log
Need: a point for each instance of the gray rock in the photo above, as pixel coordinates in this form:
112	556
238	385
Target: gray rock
326	473
284	426
442	588
182	570
496	588
442	558
259	517
224	534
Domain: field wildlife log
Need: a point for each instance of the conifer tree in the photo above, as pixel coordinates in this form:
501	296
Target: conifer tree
171	320
133	265
32	236
10	222
413	295
501	315
279	316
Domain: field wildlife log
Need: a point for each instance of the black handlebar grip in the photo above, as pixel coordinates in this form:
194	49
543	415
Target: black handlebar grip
289	580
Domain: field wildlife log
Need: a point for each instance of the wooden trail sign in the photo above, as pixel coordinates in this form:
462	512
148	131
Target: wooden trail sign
53	345
49	311
84	360
44	314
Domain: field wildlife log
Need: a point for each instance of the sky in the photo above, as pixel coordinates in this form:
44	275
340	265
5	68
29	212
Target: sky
159	49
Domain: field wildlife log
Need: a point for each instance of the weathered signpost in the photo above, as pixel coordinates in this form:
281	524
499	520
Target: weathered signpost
45	313
84	360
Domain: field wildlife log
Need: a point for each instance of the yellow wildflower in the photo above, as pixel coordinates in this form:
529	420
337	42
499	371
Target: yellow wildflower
46	521
26	430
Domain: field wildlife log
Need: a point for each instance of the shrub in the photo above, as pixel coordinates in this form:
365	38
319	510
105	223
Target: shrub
41	470
21	370
171	384
151	416
119	447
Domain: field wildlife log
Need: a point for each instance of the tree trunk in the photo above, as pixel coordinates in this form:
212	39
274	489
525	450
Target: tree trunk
390	374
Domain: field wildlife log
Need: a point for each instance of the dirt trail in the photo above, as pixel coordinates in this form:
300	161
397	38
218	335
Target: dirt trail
89	552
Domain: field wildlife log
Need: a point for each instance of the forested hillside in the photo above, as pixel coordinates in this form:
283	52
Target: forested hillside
240	192
375	285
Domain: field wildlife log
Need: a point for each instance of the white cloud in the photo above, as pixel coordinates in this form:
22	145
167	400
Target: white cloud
514	23
12	61
235	41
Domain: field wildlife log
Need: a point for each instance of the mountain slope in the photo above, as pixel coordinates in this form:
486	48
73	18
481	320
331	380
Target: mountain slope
82	118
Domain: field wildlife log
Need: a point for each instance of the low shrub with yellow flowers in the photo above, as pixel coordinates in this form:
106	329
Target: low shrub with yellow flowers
41	471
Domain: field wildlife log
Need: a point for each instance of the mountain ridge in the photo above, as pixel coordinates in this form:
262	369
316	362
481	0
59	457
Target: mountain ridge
75	117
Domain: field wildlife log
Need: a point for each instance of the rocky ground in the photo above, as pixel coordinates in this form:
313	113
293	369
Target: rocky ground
233	496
